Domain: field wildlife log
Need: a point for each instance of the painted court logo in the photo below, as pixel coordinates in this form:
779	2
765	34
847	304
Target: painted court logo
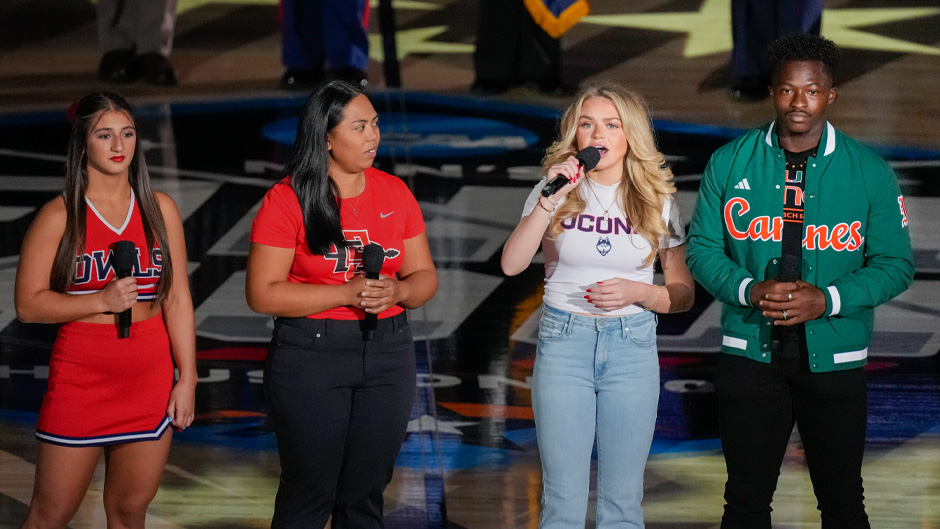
603	245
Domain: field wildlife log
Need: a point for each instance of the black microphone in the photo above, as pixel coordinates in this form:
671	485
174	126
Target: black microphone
373	257
123	260
587	158
790	268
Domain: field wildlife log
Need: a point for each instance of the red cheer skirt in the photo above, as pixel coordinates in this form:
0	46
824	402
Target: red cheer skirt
104	390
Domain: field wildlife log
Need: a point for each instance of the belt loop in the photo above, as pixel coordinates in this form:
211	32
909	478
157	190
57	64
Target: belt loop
570	323
624	326
326	326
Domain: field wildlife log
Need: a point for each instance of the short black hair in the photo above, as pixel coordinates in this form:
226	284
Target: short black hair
802	47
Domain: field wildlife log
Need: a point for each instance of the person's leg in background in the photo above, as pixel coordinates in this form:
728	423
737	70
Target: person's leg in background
511	50
346	26
116	34
755	419
539	57
136	37
757	23
156	21
627	398
495	56
302	43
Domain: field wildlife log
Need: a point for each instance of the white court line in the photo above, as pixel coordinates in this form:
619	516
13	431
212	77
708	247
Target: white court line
173	469
909	164
204	175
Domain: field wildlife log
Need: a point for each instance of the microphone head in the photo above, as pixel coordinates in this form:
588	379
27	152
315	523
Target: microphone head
589	156
125	255
373	256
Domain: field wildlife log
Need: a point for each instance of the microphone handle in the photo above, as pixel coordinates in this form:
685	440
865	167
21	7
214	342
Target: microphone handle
124	324
554	185
372	320
557	183
124	318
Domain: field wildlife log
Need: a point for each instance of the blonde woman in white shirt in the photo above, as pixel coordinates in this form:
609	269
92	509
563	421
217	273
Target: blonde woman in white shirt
597	370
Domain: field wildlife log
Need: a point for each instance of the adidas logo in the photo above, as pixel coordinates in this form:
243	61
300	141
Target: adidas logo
743	185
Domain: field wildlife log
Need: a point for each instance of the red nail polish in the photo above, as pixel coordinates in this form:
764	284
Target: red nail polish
600	282
589	290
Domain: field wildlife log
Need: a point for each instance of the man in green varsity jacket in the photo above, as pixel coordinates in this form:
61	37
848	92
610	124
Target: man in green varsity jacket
801	232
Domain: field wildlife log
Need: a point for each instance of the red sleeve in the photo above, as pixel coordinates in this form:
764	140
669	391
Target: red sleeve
279	221
414	225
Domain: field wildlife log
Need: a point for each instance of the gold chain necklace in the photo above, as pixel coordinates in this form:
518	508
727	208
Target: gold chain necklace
349	201
355	210
607	209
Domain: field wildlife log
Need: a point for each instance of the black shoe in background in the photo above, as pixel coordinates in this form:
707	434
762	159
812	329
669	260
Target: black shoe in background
485	87
301	79
155	69
749	89
117	67
353	76
554	88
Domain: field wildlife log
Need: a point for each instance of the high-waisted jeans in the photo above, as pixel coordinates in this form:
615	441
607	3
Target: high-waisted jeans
594	377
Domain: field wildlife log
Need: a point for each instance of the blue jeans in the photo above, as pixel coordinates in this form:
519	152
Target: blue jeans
594	376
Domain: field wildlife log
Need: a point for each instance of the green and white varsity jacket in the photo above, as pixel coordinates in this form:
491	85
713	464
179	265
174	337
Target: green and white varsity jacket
856	245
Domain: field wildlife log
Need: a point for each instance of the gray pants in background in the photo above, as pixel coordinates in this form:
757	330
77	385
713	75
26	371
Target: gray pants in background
145	26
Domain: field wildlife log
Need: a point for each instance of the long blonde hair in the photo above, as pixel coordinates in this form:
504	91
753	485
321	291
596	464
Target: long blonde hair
647	180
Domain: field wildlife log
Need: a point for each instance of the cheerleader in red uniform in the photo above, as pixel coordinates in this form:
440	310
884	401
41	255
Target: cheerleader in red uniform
106	393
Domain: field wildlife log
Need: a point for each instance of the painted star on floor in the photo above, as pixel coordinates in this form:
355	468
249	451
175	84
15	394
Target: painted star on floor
709	28
418	40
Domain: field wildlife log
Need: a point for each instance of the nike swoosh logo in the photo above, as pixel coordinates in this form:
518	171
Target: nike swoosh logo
383	215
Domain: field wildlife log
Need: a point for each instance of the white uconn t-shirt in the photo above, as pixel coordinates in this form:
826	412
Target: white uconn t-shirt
593	248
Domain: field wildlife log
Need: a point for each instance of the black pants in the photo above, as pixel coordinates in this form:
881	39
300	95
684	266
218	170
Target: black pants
511	48
758	405
757	23
340	407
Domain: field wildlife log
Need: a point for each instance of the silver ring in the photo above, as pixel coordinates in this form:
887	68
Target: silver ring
785	314
789	296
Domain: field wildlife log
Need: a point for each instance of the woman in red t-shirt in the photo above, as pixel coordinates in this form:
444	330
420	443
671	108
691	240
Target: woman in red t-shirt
339	398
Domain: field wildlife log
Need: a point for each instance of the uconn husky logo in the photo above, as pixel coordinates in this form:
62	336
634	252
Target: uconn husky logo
603	245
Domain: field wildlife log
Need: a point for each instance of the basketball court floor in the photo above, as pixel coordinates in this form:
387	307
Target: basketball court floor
470	459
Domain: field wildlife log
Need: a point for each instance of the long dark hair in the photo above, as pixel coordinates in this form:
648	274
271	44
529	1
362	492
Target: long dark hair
309	163
87	113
